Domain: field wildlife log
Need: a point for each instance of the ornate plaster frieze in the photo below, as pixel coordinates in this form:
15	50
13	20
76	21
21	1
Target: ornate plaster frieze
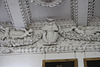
47	3
51	38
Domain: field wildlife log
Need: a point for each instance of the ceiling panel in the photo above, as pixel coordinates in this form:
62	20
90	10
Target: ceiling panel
97	8
3	13
60	11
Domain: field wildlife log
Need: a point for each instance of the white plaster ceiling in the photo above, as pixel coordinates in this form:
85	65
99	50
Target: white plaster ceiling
61	11
40	12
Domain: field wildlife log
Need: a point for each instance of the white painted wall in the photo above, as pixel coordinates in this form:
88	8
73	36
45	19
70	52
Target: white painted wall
62	10
35	60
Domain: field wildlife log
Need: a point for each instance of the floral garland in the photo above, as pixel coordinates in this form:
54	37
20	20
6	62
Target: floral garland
47	3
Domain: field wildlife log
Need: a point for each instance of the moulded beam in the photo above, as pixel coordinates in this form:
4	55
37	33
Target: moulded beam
16	14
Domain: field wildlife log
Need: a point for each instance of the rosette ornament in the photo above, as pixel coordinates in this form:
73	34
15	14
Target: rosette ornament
47	3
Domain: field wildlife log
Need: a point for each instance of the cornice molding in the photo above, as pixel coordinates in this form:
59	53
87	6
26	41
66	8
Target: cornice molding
50	49
69	39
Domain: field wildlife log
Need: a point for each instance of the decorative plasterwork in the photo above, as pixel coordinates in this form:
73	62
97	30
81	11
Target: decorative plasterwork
95	21
91	19
49	39
47	3
91	4
74	10
62	23
51	49
25	10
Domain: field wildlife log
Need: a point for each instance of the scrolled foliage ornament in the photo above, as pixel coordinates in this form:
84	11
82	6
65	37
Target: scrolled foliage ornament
47	3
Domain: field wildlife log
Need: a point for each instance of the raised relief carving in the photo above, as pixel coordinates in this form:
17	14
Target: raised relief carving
51	38
11	37
85	34
50	33
21	34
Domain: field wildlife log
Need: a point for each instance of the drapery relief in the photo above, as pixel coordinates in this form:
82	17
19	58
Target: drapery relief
50	38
